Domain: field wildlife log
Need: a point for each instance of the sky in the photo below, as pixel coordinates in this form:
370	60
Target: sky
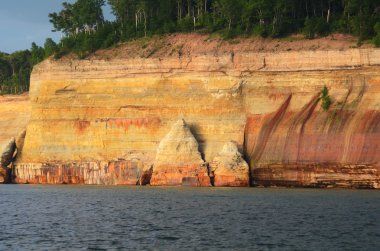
25	21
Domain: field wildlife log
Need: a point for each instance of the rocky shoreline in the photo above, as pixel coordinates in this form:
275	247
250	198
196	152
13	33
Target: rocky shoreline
228	169
234	118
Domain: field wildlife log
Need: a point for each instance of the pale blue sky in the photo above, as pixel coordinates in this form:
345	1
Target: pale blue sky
25	21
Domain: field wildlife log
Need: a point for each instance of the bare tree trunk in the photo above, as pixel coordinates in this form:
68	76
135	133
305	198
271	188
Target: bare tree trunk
144	23
177	10
328	16
194	17
136	20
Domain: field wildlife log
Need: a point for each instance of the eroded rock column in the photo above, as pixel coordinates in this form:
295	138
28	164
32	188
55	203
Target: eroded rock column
7	155
229	168
178	160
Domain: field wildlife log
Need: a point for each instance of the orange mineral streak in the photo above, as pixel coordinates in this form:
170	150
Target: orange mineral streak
140	122
184	175
81	126
267	103
122	172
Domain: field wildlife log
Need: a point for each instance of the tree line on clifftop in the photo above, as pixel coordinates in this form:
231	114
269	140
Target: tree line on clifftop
85	29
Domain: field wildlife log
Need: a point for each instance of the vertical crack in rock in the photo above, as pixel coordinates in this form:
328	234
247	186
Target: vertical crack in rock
229	168
178	160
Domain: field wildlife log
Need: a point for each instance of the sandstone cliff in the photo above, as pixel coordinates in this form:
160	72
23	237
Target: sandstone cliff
178	160
14	116
229	168
101	120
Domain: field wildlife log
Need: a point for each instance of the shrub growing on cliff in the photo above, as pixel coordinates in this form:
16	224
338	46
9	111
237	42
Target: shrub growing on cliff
326	101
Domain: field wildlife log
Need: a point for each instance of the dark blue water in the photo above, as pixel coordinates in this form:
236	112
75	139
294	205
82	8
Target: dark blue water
134	218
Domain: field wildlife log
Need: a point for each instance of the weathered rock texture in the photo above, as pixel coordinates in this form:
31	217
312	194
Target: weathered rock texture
229	168
14	116
122	172
7	153
178	160
106	110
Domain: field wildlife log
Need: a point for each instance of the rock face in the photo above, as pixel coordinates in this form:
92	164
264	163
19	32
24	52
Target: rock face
105	110
229	168
6	157
20	141
122	172
14	116
7	153
15	112
178	161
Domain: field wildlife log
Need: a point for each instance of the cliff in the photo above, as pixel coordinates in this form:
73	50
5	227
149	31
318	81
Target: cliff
101	120
14	116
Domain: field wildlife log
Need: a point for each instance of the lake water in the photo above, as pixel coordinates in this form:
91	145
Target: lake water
145	218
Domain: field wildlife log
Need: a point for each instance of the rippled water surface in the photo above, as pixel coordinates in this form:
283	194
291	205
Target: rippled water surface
96	218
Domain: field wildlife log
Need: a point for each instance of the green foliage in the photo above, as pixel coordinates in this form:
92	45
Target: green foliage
376	39
86	31
37	54
326	100
50	47
15	71
82	16
5	69
361	17
315	26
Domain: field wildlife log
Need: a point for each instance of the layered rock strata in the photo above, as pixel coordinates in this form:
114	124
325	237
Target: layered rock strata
6	158
14	116
7	153
105	111
229	168
122	172
178	160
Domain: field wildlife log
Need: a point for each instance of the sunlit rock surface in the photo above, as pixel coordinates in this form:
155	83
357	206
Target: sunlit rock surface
229	168
102	110
178	161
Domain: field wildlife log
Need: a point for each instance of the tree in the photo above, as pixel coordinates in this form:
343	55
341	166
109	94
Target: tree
83	15
5	70
64	20
122	9
360	18
88	14
37	54
137	18
376	39
229	10
15	72
50	47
